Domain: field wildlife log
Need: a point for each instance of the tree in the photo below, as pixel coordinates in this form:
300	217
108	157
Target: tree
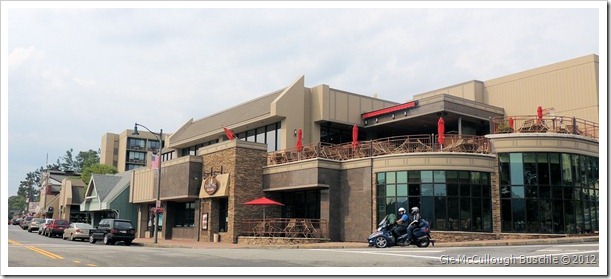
28	188
15	205
85	159
96	169
68	162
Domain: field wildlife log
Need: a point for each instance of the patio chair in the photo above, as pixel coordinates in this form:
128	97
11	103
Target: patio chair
291	228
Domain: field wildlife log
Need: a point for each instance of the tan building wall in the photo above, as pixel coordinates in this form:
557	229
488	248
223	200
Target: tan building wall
570	87
113	150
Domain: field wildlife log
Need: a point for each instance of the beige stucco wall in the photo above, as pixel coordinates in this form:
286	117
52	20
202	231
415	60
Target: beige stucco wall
539	142
570	87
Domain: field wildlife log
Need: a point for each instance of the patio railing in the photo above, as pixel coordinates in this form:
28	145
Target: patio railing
547	124
285	227
380	147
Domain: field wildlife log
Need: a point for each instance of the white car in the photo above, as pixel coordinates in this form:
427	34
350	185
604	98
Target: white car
77	231
42	227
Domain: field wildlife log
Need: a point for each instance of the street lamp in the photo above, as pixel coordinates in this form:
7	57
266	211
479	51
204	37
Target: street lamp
157	200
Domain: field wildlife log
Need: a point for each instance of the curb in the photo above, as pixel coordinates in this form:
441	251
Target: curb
339	245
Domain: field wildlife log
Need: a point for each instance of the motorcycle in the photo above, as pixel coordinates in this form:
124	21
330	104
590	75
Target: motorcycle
383	237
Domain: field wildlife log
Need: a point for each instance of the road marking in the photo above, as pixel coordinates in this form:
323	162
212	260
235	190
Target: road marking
383	254
78	262
13	242
46	253
91	265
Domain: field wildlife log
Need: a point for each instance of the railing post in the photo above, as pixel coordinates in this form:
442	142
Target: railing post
491	125
574	126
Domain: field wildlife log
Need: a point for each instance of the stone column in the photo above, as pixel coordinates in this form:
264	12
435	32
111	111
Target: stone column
496	203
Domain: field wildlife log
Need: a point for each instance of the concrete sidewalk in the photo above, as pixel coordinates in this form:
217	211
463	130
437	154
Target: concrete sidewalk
187	243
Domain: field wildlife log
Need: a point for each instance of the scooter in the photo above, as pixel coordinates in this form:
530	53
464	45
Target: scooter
383	237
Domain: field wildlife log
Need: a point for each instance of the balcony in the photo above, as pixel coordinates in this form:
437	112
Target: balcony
545	124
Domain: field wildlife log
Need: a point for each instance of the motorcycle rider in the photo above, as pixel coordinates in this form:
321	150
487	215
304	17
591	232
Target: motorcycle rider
402	223
414	222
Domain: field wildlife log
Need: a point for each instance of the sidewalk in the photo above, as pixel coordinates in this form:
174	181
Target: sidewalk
188	243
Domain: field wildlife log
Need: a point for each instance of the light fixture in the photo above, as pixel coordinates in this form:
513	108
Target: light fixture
295	132
376	120
365	122
393	116
405	113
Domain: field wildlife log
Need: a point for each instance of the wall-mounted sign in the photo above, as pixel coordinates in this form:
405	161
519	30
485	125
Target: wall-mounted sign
211	185
205	221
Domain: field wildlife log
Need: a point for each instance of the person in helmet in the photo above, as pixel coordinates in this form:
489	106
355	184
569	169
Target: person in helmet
402	223
414	222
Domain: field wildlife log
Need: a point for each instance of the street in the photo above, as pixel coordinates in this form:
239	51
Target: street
32	250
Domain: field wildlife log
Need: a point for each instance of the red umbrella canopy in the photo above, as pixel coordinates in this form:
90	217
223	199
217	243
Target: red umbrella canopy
263	201
441	130
299	143
355	136
539	114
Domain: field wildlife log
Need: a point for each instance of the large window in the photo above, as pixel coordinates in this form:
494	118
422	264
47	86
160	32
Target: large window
449	200
266	134
185	214
548	192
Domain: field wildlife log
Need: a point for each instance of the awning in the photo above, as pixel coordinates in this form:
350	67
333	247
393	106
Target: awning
215	186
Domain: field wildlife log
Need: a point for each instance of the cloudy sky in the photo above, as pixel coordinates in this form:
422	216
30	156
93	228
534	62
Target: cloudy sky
76	72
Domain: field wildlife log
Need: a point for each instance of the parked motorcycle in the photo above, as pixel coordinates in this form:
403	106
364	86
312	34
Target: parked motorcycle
383	237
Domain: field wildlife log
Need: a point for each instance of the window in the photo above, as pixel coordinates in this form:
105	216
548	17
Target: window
185	214
555	195
450	200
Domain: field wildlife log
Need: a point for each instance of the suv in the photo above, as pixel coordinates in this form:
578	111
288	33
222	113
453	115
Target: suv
112	231
56	227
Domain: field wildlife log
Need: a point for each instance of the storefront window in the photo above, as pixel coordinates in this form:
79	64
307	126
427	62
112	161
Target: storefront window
556	195
450	200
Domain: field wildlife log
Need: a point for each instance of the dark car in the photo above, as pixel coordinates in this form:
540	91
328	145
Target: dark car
56	227
112	231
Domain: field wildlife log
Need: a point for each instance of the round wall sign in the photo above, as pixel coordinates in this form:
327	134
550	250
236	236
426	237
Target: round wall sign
211	185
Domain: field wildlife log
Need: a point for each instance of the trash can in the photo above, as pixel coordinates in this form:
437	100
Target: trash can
216	237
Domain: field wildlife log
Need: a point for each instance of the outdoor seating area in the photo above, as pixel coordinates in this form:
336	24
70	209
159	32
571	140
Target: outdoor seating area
285	227
545	124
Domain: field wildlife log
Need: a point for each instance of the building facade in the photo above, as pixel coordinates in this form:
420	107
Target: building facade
517	157
127	151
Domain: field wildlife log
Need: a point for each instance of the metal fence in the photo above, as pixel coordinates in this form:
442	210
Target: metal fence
285	227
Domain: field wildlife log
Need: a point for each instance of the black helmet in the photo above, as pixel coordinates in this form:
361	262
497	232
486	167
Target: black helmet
415	210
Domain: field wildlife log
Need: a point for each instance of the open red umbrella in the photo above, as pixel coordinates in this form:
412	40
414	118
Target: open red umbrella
263	201
299	143
441	129
539	114
355	136
229	133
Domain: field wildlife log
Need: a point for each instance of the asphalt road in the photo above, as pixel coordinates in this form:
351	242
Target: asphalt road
32	250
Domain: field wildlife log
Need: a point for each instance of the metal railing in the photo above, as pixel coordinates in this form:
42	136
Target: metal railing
285	227
545	124
380	147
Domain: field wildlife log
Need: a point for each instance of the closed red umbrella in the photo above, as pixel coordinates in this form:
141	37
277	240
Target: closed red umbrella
441	131
539	114
511	122
299	143
229	133
355	136
263	201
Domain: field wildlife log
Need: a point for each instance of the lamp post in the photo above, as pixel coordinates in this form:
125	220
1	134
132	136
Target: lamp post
157	199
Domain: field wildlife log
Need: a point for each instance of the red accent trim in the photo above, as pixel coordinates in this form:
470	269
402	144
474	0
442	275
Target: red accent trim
388	110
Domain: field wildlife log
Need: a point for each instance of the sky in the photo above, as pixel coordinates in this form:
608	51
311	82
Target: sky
76	71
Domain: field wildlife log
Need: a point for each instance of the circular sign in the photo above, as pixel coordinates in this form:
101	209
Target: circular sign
211	185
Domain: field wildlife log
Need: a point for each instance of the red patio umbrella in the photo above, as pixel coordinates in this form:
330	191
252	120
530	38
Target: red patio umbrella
441	131
229	133
355	136
299	143
539	114
511	122
263	201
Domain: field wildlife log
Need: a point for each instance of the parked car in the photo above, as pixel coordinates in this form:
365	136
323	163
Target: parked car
77	231
35	224
25	222
56	227
17	222
112	231
43	226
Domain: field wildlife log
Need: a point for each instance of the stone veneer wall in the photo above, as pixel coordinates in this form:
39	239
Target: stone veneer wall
496	202
244	164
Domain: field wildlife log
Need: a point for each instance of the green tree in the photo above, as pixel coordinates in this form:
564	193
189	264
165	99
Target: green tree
67	161
96	169
28	188
85	159
15	205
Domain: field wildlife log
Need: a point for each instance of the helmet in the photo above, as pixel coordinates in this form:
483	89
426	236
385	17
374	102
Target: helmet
401	209
415	210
